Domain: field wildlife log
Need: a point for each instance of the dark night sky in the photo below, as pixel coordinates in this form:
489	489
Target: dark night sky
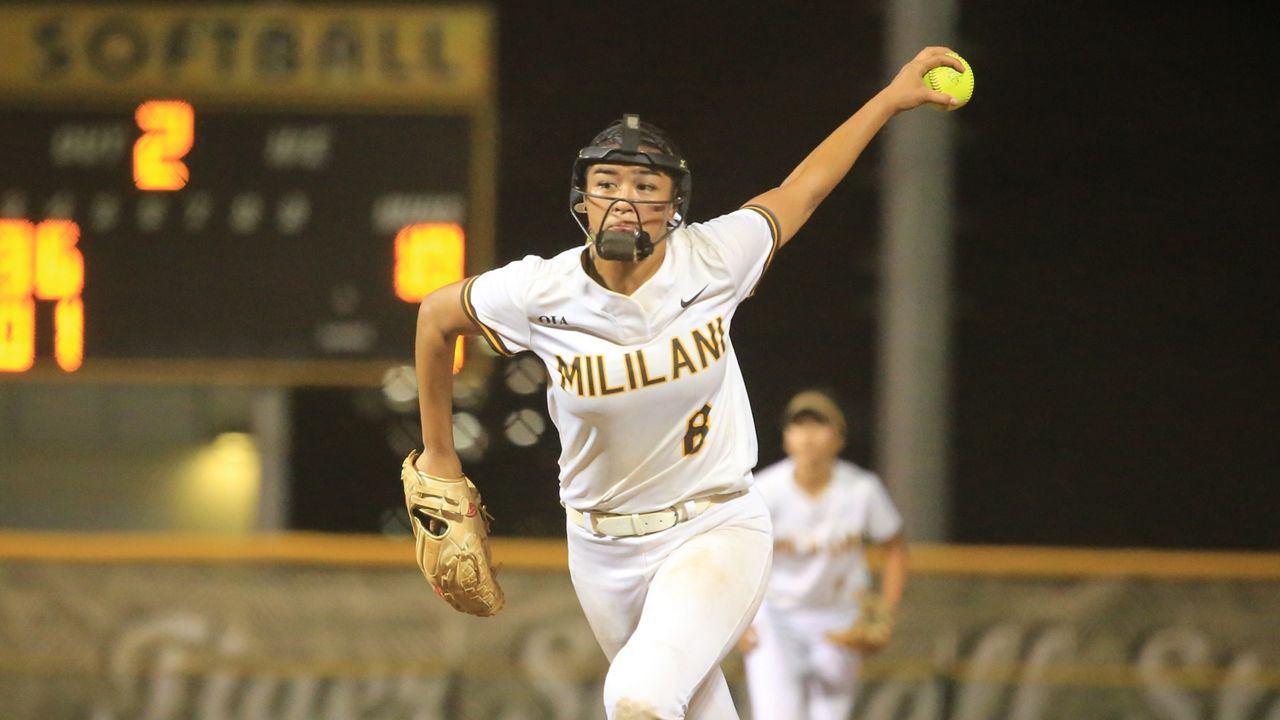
1116	353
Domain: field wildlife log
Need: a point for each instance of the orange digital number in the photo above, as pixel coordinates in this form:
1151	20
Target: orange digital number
59	265
168	131
40	262
68	333
17	266
17	308
17	334
430	256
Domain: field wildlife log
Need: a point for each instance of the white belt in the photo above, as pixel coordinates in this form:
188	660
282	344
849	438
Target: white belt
626	525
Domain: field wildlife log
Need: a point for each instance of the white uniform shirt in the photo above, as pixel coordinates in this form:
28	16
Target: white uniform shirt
644	389
827	568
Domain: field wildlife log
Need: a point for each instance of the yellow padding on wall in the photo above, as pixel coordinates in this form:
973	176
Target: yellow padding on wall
299	548
550	554
1073	562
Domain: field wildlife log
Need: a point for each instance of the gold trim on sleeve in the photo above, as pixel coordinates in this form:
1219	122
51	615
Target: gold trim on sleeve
775	231
490	336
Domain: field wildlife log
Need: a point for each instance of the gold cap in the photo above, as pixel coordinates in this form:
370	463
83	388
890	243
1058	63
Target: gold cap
817	405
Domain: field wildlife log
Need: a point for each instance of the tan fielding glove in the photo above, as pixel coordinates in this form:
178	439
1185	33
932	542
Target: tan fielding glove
873	628
451	539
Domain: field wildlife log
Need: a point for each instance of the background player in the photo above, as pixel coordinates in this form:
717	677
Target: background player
801	655
669	551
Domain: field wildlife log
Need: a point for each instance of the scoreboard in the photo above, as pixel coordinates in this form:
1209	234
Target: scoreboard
237	190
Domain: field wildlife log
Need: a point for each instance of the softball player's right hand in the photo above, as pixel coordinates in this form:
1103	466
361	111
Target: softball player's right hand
906	91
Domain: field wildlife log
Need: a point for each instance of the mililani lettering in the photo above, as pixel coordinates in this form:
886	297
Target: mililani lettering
588	377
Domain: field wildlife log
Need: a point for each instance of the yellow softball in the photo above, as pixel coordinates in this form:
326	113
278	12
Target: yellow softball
958	85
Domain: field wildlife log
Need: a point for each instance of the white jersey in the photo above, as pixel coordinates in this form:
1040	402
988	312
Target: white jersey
644	389
827	568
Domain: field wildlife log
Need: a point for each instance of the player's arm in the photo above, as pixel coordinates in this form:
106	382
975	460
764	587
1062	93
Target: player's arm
446	514
441	319
873	627
893	573
794	201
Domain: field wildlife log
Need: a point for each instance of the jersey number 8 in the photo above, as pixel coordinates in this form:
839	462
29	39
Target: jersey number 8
696	430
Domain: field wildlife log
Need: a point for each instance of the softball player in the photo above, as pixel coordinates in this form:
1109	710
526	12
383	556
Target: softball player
798	662
669	549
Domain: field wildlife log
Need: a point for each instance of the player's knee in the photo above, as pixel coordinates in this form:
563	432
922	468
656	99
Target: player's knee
632	696
630	701
836	672
629	709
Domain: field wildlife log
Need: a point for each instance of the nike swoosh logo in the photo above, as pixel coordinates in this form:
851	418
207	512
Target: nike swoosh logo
687	303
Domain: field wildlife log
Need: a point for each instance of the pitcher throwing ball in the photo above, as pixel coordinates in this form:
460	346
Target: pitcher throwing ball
669	547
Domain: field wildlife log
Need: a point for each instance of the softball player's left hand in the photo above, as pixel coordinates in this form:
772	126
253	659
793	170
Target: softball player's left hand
872	629
906	91
857	640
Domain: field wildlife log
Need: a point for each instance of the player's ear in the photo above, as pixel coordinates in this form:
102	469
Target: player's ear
673	210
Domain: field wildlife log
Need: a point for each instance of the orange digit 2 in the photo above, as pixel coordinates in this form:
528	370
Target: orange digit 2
168	131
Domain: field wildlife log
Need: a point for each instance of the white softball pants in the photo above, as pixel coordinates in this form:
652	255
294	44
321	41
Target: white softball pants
668	607
794	672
